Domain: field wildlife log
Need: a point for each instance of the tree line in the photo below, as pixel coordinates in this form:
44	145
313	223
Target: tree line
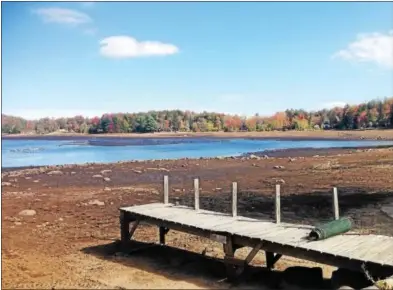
373	114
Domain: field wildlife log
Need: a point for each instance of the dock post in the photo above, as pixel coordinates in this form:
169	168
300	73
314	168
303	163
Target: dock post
166	190
335	204
196	192
124	229
278	204
234	199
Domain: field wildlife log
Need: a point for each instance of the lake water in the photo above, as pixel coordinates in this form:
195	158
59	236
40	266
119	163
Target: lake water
17	153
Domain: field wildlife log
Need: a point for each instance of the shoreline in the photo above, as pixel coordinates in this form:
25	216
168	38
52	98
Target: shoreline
377	134
271	153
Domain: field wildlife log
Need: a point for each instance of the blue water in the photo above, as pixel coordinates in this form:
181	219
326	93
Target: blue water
17	153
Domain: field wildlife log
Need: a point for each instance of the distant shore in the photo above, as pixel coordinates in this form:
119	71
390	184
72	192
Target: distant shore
377	134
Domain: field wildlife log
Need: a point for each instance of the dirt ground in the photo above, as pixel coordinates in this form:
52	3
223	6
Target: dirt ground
71	240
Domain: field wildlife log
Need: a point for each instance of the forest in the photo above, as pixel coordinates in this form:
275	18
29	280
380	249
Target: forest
373	114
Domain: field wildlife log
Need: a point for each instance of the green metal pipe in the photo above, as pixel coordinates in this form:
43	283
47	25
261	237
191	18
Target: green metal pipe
331	229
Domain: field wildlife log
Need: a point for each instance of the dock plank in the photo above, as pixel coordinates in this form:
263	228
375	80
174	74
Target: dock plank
367	248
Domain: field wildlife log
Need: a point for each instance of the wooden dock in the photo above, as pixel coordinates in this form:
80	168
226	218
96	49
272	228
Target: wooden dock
373	253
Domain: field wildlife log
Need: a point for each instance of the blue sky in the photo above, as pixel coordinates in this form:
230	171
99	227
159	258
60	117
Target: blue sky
68	58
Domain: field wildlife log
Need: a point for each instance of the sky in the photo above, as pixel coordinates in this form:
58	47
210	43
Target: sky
90	58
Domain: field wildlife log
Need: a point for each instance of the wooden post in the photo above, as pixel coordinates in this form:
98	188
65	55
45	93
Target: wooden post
163	232
166	190
196	191
124	229
234	199
278	204
335	204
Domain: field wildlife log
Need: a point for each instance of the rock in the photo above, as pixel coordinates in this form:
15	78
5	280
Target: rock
252	156
372	287
278	167
60	219
344	287
105	171
176	190
107	179
279	180
55	172
137	171
292	159
386	284
388	209
265	157
96	202
73	172
107	189
323	166
17	223
217	189
356	280
28	177
6	183
97	176
28	212
11	219
36	181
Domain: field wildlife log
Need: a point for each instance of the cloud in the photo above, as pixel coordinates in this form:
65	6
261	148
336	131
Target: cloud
372	47
332	105
128	47
33	114
63	16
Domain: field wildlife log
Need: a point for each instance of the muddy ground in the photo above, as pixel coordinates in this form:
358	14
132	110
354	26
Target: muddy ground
70	241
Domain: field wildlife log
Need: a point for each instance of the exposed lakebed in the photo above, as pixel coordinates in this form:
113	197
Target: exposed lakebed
57	151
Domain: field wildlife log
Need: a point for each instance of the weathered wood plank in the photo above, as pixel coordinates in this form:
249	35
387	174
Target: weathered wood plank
335	204
347	249
278	204
166	189
234	199
253	253
196	193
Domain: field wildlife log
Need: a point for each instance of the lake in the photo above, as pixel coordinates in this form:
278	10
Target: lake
35	152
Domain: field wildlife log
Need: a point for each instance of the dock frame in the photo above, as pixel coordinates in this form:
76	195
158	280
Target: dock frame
131	217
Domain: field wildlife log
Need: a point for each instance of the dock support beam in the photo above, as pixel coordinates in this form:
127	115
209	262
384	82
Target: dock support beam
271	259
163	232
125	232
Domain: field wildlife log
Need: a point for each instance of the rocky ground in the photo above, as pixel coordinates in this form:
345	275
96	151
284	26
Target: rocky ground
60	224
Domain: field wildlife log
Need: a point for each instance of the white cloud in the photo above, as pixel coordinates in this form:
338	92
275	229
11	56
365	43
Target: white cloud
332	105
63	16
32	114
373	47
128	47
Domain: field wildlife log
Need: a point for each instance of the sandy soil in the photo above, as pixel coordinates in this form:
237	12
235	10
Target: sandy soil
332	134
71	240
